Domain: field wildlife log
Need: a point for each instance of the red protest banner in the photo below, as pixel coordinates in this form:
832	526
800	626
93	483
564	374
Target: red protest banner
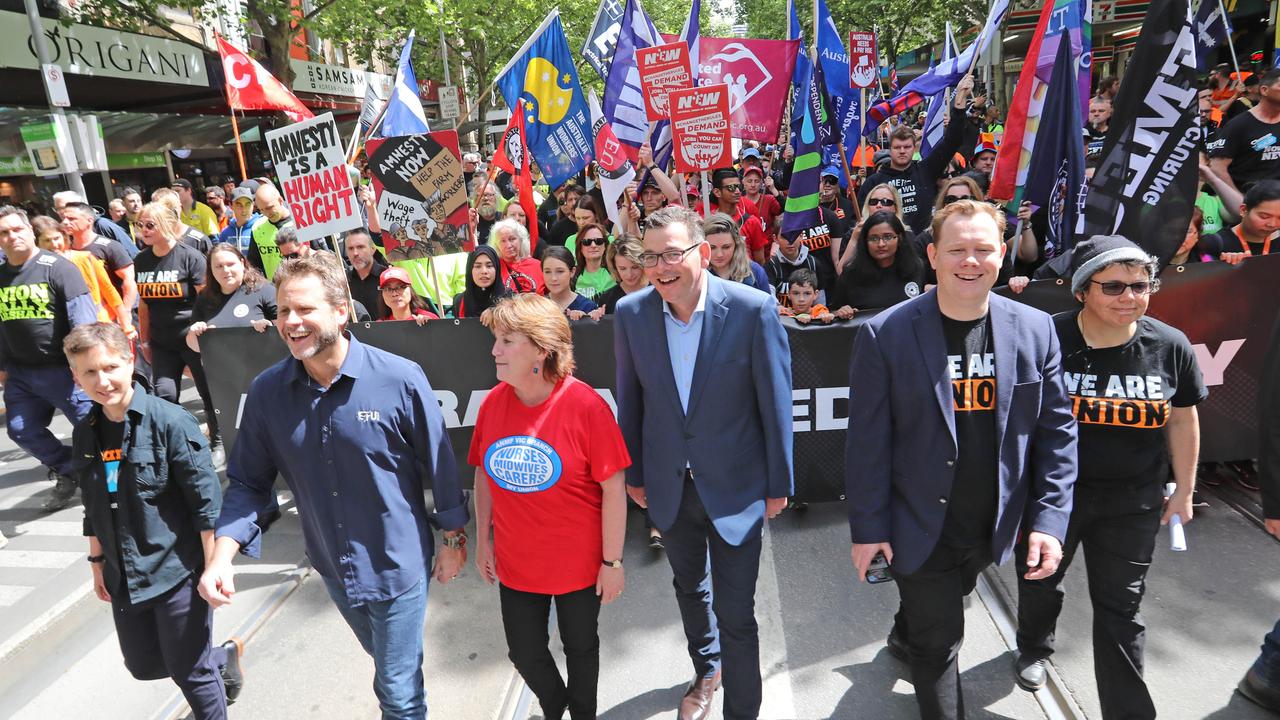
700	128
663	68
758	73
863	59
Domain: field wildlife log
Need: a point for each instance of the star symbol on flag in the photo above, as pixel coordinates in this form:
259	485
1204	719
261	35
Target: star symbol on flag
566	79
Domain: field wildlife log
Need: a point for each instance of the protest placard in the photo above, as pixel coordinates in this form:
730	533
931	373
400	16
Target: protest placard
863	61
700	128
663	68
314	178
421	194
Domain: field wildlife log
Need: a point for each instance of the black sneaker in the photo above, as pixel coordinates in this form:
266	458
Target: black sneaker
897	646
655	541
232	672
1253	687
64	491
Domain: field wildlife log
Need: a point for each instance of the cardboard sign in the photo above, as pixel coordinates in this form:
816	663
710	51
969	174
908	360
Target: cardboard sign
663	68
700	128
864	61
314	177
421	194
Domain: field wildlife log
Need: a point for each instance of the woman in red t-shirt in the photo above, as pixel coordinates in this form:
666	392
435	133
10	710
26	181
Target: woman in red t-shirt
398	301
549	487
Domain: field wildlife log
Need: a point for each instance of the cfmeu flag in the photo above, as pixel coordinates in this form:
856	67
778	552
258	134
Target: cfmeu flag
616	171
1146	184
251	87
513	157
542	82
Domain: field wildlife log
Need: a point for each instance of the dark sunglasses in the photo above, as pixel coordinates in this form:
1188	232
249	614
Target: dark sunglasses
593	241
732	188
148	225
948	199
881	202
1116	288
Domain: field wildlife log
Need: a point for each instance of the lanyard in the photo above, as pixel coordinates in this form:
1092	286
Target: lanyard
1266	246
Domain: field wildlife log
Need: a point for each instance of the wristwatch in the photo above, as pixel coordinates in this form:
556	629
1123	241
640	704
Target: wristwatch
612	563
455	541
97	558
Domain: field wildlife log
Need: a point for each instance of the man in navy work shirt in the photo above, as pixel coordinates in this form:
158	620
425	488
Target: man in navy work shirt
358	436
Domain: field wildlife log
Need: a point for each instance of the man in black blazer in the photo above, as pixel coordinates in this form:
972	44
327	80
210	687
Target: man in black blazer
960	437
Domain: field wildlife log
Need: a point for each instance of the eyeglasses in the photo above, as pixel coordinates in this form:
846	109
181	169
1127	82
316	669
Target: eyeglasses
1115	287
148	225
397	288
732	188
670	257
881	202
881	239
593	241
948	199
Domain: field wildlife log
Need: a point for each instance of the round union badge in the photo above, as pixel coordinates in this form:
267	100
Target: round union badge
522	464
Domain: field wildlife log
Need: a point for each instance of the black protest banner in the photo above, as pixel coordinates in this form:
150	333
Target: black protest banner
314	178
1146	184
602	41
1229	336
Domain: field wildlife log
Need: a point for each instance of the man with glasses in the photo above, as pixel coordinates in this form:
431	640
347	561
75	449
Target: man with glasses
916	180
1134	384
727	197
704	402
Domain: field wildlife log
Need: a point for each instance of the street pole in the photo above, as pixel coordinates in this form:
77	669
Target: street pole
444	54
42	52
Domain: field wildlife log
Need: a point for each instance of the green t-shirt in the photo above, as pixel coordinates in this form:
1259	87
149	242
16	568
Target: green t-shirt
1211	206
593	284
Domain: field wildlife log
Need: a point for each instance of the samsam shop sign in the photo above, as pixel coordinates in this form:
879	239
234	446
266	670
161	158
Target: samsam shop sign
337	80
87	50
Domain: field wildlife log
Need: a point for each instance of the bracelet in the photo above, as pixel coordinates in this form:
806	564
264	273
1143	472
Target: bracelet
96	558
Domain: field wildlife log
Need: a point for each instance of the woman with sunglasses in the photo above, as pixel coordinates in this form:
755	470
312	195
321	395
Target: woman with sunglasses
592	277
557	271
885	270
883	197
587	213
398	301
1134	384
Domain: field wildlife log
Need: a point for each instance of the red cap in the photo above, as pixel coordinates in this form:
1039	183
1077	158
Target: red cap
394	273
692	189
753	169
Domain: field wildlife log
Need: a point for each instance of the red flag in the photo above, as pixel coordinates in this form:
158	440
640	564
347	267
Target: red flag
1004	176
513	157
250	87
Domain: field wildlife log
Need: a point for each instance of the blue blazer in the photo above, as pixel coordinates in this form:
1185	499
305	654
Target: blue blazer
901	448
736	436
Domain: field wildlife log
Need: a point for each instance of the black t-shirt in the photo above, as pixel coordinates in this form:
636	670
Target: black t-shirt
842	214
1093	139
971	363
1254	149
1121	397
197	240
560	230
113	255
168	287
609	298
33	308
886	289
110	445
366	291
1228	240
238	309
818	240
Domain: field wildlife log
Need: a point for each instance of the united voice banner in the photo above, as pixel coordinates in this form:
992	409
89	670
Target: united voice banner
312	166
1146	184
421	192
1230	342
758	74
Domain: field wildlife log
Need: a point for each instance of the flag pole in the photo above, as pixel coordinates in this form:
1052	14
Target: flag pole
235	127
1231	45
862	153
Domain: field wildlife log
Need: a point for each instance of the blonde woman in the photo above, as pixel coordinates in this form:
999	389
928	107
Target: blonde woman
729	259
550	501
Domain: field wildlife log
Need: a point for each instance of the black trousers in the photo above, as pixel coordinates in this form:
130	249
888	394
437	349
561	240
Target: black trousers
170	637
931	620
167	364
1117	526
524	618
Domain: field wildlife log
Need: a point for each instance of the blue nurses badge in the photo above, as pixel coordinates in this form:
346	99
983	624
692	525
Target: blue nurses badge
522	464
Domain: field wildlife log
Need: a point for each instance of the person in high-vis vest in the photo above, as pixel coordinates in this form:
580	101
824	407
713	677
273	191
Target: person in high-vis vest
263	252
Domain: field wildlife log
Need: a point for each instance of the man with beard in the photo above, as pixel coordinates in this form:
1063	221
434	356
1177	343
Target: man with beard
264	253
1099	122
358	436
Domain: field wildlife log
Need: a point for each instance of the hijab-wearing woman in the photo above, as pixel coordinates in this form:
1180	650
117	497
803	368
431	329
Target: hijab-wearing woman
885	269
483	287
592	277
557	272
398	301
239	296
551	502
520	272
729	259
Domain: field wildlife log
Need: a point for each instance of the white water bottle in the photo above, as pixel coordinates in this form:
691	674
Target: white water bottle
1177	535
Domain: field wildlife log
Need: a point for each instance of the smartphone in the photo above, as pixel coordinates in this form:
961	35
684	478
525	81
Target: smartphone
878	571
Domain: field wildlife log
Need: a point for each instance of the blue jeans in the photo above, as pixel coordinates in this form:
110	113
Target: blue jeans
31	395
1267	666
391	632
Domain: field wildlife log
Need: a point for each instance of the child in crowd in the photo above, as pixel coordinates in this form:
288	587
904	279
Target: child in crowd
802	291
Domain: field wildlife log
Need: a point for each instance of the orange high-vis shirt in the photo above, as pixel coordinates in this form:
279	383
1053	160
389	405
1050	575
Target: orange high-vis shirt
101	289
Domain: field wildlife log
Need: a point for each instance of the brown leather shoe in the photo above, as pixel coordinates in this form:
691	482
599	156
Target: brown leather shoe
696	704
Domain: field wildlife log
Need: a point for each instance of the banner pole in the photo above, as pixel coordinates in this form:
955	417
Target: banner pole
706	195
235	127
1231	45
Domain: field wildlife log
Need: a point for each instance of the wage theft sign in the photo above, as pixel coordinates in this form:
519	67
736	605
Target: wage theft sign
863	61
663	68
700	128
422	194
312	166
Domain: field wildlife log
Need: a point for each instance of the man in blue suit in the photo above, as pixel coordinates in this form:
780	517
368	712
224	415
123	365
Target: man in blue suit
704	401
960	436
